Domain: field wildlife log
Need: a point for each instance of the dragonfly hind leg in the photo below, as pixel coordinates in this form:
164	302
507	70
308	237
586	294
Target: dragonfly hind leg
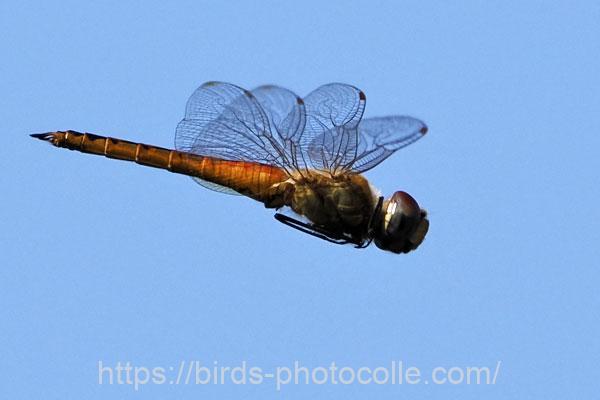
315	231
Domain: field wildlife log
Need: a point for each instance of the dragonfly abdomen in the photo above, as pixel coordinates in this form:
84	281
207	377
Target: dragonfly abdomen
248	178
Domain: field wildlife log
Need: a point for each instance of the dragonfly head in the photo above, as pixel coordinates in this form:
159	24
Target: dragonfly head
402	224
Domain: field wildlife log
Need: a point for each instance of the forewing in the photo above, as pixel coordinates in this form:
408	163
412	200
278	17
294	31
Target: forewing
330	138
380	137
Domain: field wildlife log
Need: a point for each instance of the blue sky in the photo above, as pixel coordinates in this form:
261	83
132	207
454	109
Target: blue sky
109	261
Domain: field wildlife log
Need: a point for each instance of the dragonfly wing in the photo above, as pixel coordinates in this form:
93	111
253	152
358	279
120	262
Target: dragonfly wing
333	112
272	125
215	186
380	137
284	109
287	119
336	140
227	122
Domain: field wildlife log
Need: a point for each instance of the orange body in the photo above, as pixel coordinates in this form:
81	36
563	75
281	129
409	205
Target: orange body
248	178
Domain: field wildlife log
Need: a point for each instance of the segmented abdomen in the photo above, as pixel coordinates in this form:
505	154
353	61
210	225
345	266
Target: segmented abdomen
248	178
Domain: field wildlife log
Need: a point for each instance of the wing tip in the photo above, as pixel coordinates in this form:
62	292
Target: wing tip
210	84
423	130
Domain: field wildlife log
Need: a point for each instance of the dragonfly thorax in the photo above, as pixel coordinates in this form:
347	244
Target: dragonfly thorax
340	204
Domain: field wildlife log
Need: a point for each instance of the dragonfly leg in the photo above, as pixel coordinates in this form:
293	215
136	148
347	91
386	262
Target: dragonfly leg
371	226
375	215
313	230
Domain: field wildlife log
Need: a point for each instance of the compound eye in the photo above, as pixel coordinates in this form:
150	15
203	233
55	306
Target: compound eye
401	213
404	224
407	204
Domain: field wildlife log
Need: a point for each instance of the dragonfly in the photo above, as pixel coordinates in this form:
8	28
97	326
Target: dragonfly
303	157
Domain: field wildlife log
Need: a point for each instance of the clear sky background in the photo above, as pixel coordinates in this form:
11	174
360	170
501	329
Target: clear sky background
109	261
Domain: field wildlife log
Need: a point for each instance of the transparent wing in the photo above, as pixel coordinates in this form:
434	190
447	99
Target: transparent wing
336	140
215	186
274	126
380	137
225	121
330	138
284	110
287	119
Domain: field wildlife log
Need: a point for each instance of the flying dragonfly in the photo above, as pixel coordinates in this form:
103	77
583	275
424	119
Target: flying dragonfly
303	157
